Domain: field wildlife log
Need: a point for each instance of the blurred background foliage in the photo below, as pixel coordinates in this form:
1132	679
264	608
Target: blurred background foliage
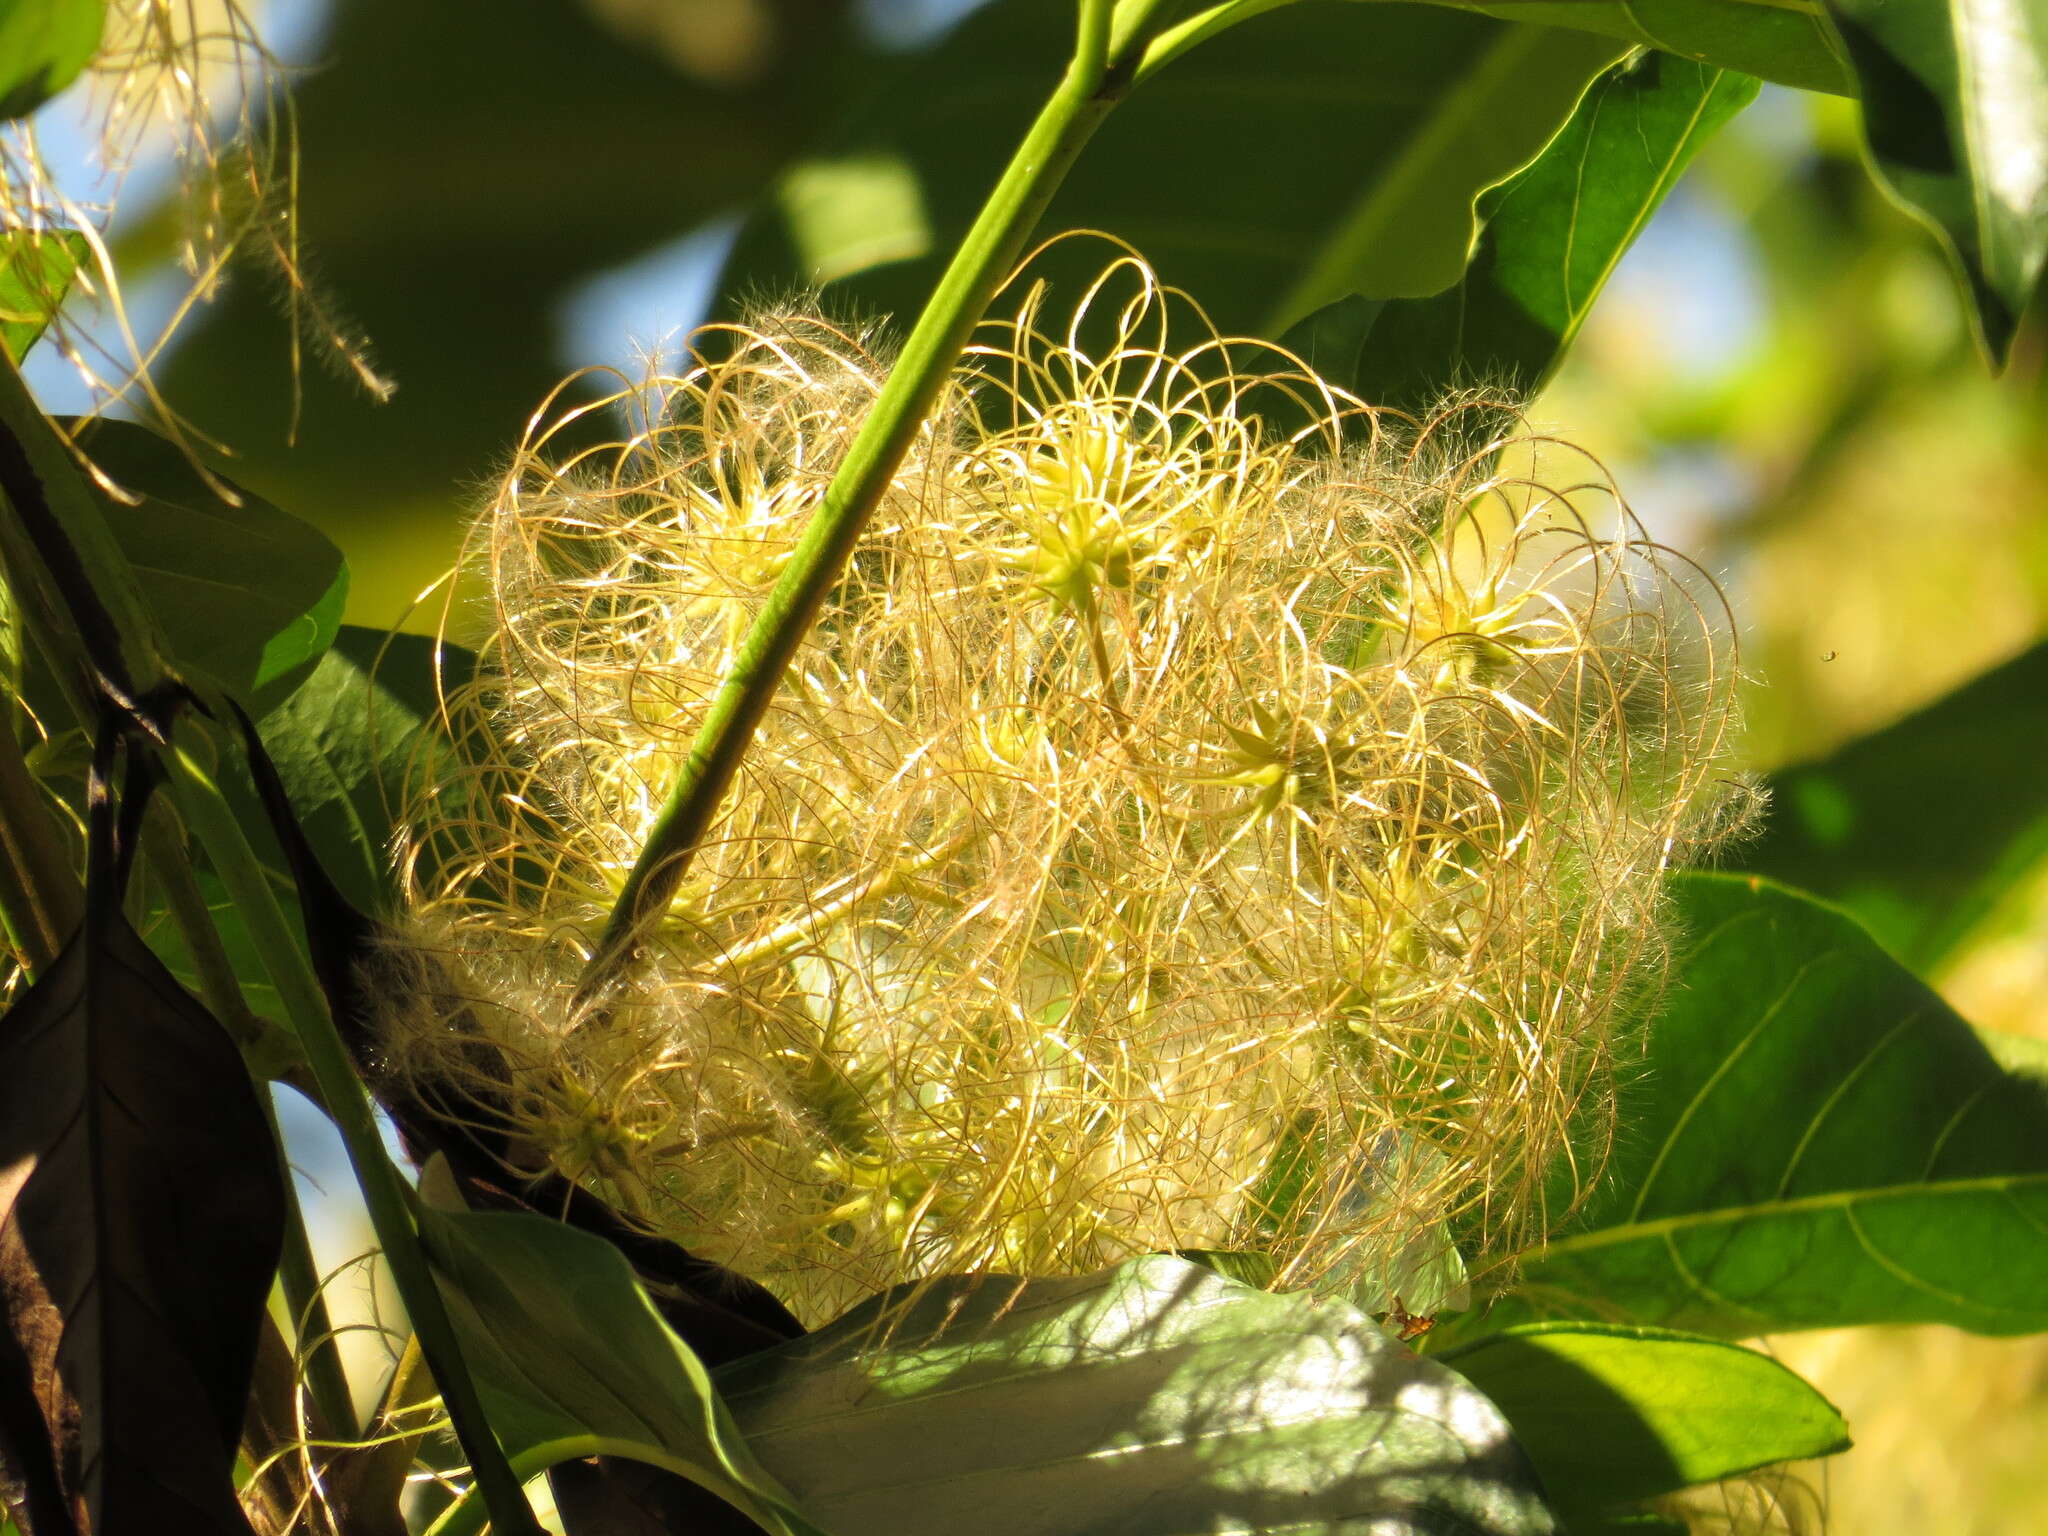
1781	374
1783	377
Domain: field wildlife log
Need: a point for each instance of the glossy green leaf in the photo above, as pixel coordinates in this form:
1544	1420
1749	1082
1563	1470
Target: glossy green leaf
1787	41
248	596
572	1360
1612	1414
1551	236
36	271
1309	151
1813	1140
1157	1399
1920	828
43	46
1955	118
353	740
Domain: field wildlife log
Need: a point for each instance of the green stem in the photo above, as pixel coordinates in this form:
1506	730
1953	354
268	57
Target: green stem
1199	28
41	899
171	865
1093	20
1092	85
389	1202
273	1053
64	528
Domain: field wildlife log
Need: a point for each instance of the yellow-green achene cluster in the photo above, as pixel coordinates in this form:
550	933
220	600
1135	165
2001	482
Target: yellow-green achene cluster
1178	831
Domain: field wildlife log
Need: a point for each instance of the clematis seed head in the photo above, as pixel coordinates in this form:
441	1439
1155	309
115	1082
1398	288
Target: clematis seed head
1176	832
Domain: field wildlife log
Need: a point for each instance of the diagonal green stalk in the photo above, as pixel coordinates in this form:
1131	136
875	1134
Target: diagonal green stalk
41	899
1176	40
264	1047
1093	83
57	541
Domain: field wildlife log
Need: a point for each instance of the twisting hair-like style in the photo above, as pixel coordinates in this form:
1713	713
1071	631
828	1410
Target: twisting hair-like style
1178	831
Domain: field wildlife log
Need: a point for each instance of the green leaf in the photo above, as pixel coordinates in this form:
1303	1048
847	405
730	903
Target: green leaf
1551	235
1955	119
248	596
36	269
1813	1139
1787	41
572	1360
1313	150
1919	828
352	739
1157	1399
1613	1414
43	46
243	957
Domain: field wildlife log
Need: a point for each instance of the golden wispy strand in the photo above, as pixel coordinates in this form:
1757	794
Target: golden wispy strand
193	80
1177	832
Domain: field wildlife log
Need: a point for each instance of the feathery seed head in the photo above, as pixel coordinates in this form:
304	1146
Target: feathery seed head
1173	833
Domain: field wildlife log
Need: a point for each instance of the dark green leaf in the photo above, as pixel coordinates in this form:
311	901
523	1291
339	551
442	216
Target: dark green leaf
1310	151
1813	1140
248	596
573	1360
43	46
1783	40
1921	827
351	741
1551	235
141	1217
1955	117
36	269
1158	1399
1611	1414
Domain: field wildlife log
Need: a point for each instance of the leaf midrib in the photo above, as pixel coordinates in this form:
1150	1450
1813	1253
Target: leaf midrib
1830	1200
1647	204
